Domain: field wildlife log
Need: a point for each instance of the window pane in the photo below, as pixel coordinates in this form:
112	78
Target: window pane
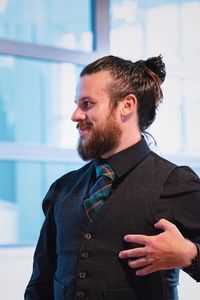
36	102
22	189
170	28
65	24
197	170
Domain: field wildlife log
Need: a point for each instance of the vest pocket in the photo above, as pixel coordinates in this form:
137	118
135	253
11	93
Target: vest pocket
119	294
59	290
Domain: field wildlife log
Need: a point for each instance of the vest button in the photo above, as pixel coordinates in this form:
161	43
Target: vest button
82	275
87	236
84	254
80	294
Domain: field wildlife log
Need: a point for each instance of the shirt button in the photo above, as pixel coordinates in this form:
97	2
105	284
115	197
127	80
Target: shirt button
80	294
87	236
84	254
82	275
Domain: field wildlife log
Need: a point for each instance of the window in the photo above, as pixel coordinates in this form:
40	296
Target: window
63	25
169	28
23	186
36	101
43	46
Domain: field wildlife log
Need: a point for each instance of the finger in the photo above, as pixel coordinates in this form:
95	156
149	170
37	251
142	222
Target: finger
136	252
142	262
136	238
146	270
164	225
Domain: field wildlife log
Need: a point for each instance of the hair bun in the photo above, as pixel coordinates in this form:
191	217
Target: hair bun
156	65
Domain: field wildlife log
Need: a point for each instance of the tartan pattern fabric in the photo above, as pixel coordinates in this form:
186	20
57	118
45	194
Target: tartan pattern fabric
100	190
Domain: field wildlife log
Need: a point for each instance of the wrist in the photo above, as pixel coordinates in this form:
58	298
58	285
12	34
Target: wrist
192	254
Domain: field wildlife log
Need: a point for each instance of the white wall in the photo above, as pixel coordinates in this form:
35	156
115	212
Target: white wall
189	289
16	266
15	270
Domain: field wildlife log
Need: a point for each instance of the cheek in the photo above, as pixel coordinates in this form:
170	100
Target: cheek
102	122
96	120
99	118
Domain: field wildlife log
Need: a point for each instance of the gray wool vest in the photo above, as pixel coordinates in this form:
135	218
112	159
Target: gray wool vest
88	266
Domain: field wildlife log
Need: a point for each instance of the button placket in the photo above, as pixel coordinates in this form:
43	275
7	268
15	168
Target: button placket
88	236
80	294
84	255
82	274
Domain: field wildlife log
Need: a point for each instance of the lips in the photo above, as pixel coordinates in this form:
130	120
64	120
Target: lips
83	129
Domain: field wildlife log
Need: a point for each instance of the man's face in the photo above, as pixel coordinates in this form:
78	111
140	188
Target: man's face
97	122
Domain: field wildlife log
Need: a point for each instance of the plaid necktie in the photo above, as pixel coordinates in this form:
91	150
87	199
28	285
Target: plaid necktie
100	190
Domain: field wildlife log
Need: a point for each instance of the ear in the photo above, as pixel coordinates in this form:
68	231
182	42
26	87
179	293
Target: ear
129	105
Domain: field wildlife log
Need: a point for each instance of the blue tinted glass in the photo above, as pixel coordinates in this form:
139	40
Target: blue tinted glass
65	24
143	28
22	189
36	102
197	170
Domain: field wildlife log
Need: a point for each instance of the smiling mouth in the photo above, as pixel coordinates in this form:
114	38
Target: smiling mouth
83	130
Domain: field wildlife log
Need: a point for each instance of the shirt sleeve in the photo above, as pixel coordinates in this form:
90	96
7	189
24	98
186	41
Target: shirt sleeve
193	270
181	198
40	286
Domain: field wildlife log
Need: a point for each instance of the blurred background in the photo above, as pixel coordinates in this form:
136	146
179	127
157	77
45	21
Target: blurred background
43	46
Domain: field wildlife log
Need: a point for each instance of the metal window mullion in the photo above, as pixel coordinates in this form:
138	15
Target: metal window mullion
37	153
100	20
33	51
189	159
101	26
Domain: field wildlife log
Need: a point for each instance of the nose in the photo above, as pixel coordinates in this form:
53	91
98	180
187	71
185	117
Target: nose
78	115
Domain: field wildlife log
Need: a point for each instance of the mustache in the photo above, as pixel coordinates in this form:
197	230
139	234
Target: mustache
83	124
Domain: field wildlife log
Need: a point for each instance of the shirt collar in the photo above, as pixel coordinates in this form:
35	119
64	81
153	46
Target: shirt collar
129	158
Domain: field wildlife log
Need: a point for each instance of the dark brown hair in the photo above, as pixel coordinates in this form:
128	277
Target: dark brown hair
142	78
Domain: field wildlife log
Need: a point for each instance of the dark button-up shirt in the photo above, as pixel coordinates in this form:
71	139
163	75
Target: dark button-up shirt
181	191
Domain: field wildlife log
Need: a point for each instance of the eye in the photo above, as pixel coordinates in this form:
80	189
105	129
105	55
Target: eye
86	104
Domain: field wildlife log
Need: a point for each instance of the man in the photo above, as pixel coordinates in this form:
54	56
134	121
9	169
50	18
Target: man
122	225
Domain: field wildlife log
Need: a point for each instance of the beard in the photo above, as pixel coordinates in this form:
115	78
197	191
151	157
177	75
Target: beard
100	141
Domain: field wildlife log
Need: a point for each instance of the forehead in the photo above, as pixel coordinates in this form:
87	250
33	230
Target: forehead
94	85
